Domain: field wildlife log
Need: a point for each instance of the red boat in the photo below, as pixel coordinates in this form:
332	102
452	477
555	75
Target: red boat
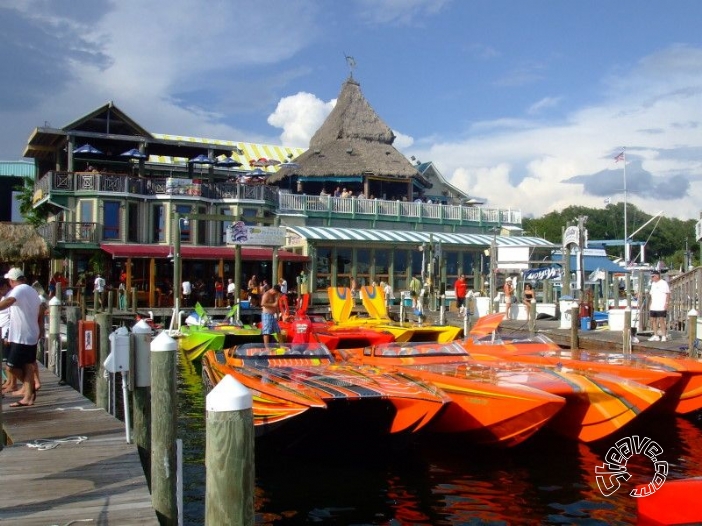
675	503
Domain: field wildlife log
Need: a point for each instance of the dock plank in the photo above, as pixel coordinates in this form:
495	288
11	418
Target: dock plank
100	480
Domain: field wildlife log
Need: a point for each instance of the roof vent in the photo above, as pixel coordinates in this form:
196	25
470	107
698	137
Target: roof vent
317	152
349	150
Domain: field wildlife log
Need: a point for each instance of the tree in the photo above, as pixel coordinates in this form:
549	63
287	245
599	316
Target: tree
665	238
34	216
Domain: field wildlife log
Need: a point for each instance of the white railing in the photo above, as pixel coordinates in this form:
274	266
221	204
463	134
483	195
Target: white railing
308	204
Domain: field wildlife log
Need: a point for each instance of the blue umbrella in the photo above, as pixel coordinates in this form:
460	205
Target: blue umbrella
228	162
87	148
134	154
201	159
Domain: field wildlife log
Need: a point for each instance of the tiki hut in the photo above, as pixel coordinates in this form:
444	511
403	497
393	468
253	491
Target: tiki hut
20	242
353	148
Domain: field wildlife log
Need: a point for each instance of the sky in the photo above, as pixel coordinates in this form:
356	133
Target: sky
524	104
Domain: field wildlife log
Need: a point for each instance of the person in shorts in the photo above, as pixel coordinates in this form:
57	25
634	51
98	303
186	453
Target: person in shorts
269	314
660	294
26	328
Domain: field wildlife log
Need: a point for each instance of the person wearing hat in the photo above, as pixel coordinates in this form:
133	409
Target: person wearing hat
509	297
26	328
658	312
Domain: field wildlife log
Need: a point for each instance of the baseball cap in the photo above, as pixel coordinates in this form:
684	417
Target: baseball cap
14	274
655	273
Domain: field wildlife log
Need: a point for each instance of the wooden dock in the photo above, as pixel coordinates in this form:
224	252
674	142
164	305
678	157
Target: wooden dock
98	480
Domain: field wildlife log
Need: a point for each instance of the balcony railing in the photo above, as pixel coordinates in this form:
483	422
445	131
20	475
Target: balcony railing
77	183
400	210
62	232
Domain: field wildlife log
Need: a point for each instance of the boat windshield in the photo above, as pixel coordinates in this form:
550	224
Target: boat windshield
419	349
278	350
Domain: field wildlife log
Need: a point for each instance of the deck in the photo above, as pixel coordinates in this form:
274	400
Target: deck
98	481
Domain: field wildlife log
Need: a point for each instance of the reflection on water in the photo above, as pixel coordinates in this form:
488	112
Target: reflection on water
436	480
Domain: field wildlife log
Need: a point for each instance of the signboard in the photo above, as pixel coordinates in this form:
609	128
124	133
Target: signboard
240	234
571	236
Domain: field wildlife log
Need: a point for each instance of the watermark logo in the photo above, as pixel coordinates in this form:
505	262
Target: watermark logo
613	472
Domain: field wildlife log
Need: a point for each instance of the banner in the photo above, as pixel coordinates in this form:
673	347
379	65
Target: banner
240	234
540	274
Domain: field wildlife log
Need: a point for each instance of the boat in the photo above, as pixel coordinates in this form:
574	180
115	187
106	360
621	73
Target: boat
313	328
674	503
596	404
201	333
373	299
679	377
486	408
298	388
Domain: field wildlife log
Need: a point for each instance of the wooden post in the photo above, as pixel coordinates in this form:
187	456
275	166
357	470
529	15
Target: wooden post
72	317
55	335
110	301
96	301
532	316
141	394
135	301
626	331
104	327
229	455
692	334
163	429
574	322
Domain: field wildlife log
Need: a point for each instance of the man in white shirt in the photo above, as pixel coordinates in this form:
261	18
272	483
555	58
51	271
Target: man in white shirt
231	292
658	312
187	292
99	287
25	330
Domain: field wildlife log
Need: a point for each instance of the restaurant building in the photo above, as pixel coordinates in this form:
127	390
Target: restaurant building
118	195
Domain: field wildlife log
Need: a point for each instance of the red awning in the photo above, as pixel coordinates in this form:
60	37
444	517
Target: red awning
191	252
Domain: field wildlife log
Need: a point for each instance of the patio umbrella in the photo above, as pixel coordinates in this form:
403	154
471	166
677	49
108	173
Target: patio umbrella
87	149
133	154
228	162
201	159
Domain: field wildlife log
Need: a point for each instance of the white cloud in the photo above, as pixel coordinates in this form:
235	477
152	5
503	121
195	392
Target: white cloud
300	116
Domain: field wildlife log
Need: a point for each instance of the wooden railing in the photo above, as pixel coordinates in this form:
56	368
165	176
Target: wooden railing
685	294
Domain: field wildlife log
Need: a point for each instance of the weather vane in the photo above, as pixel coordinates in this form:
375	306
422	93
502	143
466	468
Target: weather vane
351	62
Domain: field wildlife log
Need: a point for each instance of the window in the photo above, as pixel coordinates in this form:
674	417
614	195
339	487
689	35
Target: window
111	214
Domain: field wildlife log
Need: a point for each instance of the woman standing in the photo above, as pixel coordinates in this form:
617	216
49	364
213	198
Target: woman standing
528	296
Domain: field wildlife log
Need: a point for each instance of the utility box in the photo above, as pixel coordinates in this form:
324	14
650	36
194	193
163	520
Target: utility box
118	359
141	362
565	305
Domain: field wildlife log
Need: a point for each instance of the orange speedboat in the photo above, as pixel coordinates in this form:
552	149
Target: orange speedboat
596	404
680	378
486	408
296	386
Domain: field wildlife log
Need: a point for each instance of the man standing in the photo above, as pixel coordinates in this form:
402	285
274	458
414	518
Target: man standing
415	287
231	292
99	287
187	292
269	314
461	287
660	293
26	328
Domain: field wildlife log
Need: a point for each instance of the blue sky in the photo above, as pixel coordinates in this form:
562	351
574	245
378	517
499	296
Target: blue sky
522	103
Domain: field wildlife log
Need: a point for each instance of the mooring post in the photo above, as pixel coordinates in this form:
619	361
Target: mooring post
692	350
55	335
102	391
574	322
626	331
163	429
532	316
72	317
229	455
141	395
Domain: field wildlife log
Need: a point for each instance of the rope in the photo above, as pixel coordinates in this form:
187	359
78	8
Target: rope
73	522
43	444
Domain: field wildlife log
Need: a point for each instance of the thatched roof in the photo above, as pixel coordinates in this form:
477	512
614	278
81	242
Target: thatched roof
353	140
20	242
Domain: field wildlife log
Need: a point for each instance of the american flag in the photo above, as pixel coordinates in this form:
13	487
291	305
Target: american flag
619	157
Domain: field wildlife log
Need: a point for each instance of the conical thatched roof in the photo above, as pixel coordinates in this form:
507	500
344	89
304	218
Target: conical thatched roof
21	242
352	141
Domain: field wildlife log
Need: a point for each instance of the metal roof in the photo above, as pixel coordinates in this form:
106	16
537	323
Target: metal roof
312	233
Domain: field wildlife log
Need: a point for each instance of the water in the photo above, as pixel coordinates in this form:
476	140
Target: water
437	480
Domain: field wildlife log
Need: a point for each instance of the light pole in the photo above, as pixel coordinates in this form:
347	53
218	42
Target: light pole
493	270
177	270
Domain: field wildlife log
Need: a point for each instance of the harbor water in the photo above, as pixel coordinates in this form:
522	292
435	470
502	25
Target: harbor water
431	480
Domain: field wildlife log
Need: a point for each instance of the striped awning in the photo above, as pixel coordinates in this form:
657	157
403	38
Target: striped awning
313	233
244	152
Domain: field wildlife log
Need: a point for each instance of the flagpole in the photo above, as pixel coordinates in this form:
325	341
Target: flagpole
626	236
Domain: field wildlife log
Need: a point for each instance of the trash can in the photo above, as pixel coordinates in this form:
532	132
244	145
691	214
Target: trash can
585	323
406	298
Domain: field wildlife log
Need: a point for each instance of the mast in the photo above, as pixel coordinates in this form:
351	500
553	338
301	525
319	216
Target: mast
627	254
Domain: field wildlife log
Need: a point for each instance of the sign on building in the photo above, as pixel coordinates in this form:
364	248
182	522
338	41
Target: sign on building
239	233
